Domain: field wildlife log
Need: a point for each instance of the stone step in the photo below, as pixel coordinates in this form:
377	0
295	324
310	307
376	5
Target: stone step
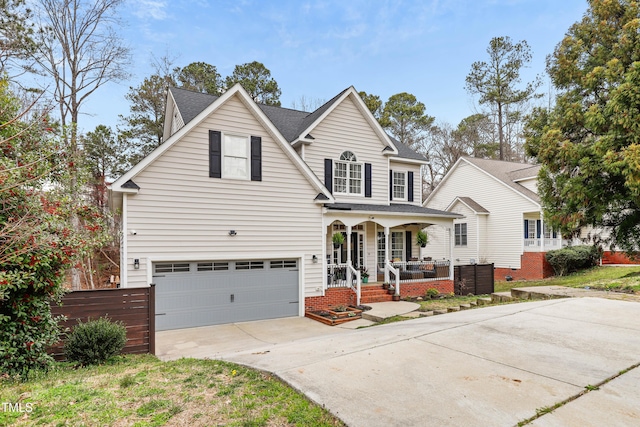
452	309
498	297
442	311
465	306
483	301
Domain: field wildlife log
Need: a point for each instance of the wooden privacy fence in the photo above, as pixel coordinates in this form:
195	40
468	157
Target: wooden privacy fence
476	279
135	307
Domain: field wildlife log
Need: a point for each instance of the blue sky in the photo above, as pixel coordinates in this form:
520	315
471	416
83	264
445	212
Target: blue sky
317	48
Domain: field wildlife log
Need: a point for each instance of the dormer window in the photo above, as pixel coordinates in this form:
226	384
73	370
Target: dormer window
347	174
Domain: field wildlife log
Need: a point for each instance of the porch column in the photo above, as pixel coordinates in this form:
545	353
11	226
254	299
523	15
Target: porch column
451	243
349	244
386	254
541	232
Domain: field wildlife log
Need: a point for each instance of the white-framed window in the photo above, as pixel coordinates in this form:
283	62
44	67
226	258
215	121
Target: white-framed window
347	175
235	157
460	234
397	245
399	185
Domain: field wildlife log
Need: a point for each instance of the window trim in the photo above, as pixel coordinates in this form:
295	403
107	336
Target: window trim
458	235
348	178
405	189
247	157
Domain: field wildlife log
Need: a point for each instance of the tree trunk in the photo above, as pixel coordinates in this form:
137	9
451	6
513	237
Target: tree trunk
500	132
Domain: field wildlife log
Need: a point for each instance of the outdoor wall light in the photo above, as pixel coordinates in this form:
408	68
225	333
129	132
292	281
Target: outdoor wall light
232	232
136	264
314	259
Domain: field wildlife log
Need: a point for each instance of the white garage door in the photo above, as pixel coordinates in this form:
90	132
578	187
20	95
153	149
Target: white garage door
190	294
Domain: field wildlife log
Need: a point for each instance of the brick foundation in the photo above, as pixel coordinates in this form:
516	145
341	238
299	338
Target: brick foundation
345	296
533	266
609	257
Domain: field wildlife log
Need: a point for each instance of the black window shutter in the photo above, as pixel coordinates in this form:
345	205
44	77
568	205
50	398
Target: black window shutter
367	180
526	228
215	154
390	185
328	174
408	239
256	158
410	186
538	228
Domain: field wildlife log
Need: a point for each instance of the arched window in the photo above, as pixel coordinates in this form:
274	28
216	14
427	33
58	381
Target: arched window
347	174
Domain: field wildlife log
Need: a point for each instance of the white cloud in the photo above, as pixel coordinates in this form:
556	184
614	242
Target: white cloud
154	9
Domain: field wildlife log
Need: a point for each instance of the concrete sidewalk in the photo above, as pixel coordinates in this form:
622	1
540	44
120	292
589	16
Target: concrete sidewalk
491	367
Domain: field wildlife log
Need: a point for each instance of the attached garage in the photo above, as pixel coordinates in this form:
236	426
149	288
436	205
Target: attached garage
191	294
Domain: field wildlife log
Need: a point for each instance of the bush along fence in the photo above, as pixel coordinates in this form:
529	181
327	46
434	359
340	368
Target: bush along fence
476	279
135	307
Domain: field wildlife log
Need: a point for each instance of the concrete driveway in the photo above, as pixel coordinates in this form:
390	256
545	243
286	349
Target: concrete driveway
493	366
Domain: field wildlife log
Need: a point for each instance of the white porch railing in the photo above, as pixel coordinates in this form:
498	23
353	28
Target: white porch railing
420	271
396	275
535	244
345	276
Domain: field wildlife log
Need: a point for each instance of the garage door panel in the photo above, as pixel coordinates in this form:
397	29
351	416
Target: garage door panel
200	298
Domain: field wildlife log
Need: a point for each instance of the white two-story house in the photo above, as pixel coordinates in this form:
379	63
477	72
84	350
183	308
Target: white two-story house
232	217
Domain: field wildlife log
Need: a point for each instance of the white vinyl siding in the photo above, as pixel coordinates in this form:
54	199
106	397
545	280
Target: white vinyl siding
502	238
346	127
183	214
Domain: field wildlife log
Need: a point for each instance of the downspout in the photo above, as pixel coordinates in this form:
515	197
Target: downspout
450	253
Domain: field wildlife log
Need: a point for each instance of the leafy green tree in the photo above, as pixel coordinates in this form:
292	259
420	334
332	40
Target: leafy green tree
199	77
256	79
39	239
404	117
496	81
16	41
589	142
373	103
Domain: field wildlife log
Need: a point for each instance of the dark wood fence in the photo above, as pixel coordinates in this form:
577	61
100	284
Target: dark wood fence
135	307
476	279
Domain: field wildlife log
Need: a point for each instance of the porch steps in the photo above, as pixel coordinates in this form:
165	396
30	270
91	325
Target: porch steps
373	293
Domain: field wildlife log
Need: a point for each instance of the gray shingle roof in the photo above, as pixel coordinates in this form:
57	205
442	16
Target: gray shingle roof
473	204
392	208
289	122
507	172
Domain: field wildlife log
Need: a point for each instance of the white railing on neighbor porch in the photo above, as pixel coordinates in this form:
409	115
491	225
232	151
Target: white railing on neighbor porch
534	244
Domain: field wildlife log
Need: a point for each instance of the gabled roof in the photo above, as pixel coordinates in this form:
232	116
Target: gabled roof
507	173
122	183
470	203
292	124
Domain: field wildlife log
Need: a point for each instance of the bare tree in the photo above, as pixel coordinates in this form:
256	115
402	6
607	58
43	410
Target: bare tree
306	104
78	49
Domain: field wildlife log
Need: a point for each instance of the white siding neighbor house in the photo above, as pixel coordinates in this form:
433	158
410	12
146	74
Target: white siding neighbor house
232	217
502	219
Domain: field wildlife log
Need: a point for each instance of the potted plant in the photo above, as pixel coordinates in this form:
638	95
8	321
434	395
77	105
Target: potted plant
422	238
338	240
364	274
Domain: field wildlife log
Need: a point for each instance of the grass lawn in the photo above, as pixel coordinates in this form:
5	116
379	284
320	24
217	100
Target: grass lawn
611	278
143	391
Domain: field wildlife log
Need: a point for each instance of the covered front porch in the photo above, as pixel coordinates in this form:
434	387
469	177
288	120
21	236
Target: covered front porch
539	236
380	245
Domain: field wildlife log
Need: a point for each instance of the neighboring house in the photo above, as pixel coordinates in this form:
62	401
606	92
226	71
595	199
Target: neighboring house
232	217
503	221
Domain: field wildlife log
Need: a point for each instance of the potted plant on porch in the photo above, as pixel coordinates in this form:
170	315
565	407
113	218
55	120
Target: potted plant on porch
337	239
422	239
364	274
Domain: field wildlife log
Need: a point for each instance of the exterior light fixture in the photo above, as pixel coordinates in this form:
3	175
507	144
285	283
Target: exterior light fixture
232	233
314	259
136	264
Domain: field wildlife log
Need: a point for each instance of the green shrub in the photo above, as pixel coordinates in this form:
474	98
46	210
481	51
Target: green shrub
95	341
431	293
572	258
